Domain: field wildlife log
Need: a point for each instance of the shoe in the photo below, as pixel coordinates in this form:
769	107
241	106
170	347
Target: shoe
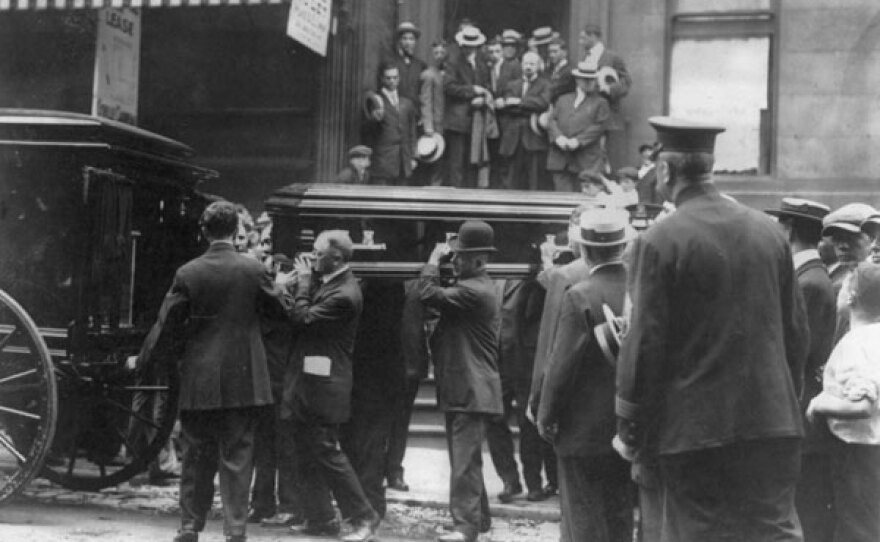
537	495
363	531
510	489
186	536
317	528
454	536
397	484
257	516
282	519
550	490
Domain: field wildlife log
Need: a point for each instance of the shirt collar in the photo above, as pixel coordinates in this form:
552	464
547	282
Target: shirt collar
605	264
597	50
804	256
327	278
222	242
390	93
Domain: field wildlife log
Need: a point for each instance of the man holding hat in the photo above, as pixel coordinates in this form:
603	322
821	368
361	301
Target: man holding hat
465	353
467	90
356	172
711	366
801	220
393	131
540	40
598	55
577	124
577	401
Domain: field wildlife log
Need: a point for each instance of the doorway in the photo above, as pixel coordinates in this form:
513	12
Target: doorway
494	16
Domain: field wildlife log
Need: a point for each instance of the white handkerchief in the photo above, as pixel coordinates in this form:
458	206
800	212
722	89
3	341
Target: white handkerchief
317	365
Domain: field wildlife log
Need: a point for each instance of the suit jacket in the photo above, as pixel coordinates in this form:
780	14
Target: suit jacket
647	188
617	91
578	391
586	123
348	175
209	323
510	71
821	306
380	375
521	303
718	334
432	98
394	138
458	87
326	319
561	81
465	343
414	326
555	281
410	73
514	120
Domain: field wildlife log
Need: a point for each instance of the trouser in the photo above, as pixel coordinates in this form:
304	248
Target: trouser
814	497
468	502
500	438
566	181
652	500
275	465
324	468
855	470
742	492
461	173
595	498
400	430
430	173
365	442
524	170
497	163
217	440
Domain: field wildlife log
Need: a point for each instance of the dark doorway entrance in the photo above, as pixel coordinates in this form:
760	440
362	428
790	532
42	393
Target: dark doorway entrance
493	16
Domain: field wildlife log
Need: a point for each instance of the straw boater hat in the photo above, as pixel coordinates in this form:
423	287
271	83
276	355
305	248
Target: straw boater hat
429	148
848	218
539	122
406	27
470	36
541	36
801	208
474	236
585	70
510	37
608	334
604	228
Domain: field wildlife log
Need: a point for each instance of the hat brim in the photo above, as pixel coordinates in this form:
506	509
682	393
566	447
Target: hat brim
455	246
540	41
628	235
840	226
780	212
439	149
463	42
584	75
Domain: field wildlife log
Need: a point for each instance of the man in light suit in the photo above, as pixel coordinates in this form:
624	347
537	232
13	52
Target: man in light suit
318	385
209	324
577	124
524	150
393	130
801	220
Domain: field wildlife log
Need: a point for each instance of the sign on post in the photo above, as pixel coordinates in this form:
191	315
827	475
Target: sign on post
117	64
309	23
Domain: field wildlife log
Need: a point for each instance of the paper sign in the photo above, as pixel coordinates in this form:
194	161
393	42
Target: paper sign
317	365
309	23
117	64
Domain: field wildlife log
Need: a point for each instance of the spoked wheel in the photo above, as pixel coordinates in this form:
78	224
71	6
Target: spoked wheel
112	422
28	398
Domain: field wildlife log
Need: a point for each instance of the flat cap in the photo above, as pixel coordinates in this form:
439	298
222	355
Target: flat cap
847	218
680	135
406	27
360	150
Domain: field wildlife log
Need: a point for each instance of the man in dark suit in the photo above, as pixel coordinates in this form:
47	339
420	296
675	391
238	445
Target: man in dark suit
647	176
403	57
596	54
577	401
711	366
802	222
465	350
525	151
559	70
209	323
577	124
318	385
392	127
466	87
502	70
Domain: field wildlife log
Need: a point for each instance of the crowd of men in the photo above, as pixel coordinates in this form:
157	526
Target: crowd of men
509	112
719	371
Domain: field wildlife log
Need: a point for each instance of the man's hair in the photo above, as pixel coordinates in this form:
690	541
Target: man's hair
219	220
440	43
592	28
689	166
530	54
598	255
645	147
560	42
385	66
338	240
494	41
804	230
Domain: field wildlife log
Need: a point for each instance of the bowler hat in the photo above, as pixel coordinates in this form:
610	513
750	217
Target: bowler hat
470	36
848	218
510	37
474	236
406	27
541	36
585	70
602	227
429	148
360	150
800	208
680	135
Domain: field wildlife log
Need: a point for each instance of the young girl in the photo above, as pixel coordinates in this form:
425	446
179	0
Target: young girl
851	384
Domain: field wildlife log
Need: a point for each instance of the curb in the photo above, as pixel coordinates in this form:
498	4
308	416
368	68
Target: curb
508	511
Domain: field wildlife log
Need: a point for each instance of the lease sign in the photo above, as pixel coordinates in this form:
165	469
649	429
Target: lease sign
309	23
117	64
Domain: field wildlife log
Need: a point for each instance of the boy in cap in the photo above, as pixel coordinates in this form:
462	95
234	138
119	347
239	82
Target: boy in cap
848	406
357	170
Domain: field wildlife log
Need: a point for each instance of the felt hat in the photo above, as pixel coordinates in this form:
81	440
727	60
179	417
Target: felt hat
608	334
680	135
470	36
474	236
510	37
542	36
429	148
800	208
871	225
602	227
848	218
585	70
406	27
539	122
360	150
